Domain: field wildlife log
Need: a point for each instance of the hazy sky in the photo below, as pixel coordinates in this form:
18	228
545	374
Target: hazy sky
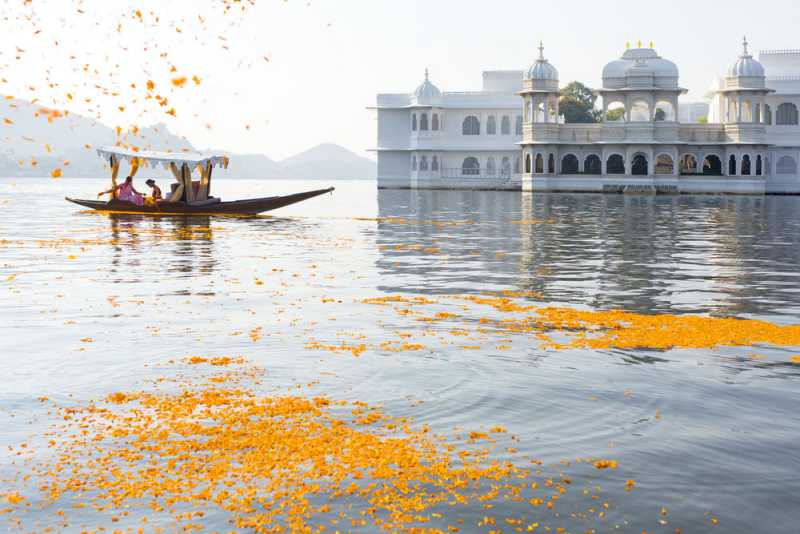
301	73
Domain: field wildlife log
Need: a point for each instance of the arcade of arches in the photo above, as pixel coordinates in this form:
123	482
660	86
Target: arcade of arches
662	164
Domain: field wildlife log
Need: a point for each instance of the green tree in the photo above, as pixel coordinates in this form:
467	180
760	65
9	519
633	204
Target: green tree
703	119
660	114
615	114
577	102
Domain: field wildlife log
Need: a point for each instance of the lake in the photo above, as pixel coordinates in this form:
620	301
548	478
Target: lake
597	363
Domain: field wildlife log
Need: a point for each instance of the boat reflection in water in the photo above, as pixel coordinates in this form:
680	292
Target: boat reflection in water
700	254
186	243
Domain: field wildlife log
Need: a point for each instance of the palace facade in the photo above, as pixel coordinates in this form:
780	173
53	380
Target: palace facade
511	135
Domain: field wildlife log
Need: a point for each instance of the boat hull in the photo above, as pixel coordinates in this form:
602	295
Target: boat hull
251	206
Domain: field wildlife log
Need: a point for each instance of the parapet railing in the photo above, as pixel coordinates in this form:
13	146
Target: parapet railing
474	174
778	51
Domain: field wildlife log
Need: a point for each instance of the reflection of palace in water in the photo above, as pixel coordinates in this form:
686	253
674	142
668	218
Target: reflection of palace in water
726	255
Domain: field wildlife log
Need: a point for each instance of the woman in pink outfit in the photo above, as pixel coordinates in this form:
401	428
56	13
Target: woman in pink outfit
125	191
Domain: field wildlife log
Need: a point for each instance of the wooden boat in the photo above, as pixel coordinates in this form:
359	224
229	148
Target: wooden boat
187	196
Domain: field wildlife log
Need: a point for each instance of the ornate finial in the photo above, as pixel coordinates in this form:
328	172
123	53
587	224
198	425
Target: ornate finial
627	45
640	43
426	74
541	50
744	46
651	44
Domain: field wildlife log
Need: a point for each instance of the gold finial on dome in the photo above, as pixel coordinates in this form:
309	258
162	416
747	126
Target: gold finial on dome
640	43
745	53
627	45
651	44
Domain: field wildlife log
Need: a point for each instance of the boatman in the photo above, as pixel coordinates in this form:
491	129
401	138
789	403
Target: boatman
156	191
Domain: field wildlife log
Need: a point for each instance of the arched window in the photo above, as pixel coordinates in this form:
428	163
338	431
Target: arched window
688	164
786	114
539	167
491	125
746	165
733	113
518	125
491	167
518	164
665	111
664	164
732	165
639	165
435	122
615	164
767	114
435	163
538	115
414	163
471	126
423	122
551	164
747	111
527	164
470	166
505	166
712	166
505	125
640	111
570	164
592	165
615	112
786	165
423	163
413	122
759	166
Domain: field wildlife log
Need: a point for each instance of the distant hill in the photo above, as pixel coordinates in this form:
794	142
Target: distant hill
33	142
329	162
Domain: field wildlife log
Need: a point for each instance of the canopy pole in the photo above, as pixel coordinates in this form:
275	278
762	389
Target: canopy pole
187	181
174	169
202	191
210	168
134	167
114	161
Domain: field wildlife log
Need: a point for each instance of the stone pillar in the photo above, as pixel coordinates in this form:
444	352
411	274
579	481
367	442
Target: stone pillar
546	107
676	111
739	109
628	163
627	116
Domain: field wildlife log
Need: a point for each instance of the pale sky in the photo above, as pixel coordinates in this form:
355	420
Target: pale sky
327	59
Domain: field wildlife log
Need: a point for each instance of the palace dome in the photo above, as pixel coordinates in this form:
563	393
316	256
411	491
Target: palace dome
427	94
640	67
542	70
746	66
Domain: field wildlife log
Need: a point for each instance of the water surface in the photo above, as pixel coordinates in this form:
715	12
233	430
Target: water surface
704	433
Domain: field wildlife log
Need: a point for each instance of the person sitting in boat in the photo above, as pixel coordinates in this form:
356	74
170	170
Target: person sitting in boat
155	194
126	192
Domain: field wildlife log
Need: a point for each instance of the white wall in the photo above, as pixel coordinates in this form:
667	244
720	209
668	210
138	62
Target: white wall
393	169
394	128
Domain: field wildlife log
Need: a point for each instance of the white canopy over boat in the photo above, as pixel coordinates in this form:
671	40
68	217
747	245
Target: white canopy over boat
182	164
151	157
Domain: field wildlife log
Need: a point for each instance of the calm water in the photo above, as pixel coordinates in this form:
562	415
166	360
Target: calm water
703	432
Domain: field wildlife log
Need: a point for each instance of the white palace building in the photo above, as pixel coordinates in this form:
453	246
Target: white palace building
510	134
